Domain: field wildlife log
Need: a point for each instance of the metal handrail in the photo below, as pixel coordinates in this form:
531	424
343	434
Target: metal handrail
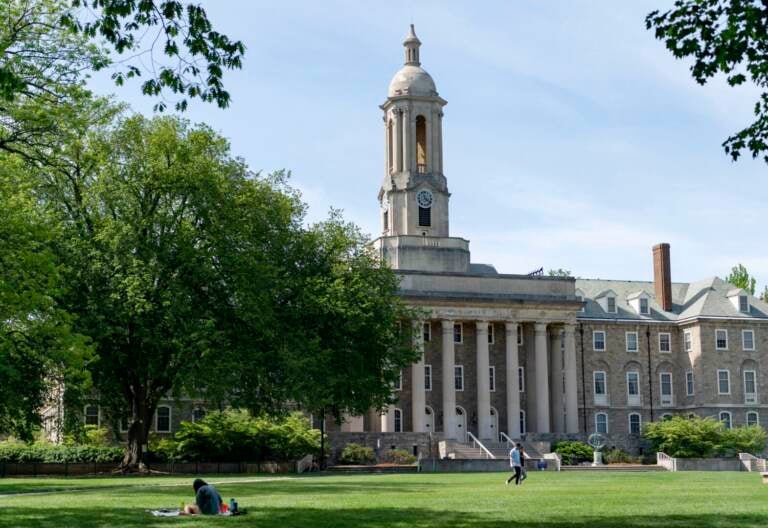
504	438
476	443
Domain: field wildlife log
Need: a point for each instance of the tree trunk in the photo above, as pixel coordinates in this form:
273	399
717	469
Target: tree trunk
138	433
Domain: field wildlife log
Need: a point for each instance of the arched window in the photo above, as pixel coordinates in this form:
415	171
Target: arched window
753	418
421	144
390	146
634	423
522	423
92	415
398	421
601	423
163	419
725	417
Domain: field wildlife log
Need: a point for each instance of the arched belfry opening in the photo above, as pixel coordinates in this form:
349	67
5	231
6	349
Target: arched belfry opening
421	144
390	147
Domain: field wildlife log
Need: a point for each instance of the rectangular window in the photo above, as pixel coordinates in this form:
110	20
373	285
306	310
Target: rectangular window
163	423
92	415
520	335
633	388
644	306
521	378
598	340
725	417
721	339
425	216
427	377
665	388
458	377
490	334
398	421
748	339
687	341
386	220
689	388
399	381
723	381
492	385
601	423
665	342
743	304
752	418
601	395
631	338
634	424
611	303
458	334
427	332
750	386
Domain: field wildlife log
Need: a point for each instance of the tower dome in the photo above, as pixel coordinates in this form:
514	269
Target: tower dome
412	79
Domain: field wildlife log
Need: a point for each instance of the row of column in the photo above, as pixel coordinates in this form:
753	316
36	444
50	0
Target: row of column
563	368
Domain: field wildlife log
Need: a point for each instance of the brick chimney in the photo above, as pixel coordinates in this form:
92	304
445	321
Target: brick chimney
662	277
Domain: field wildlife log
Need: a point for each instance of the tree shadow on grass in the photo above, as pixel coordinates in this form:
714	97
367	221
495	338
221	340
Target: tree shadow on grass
114	517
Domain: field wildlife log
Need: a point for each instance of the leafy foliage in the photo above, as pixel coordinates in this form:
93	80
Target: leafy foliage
741	278
728	37
357	455
398	456
559	272
573	452
703	437
20	453
619	456
232	436
39	353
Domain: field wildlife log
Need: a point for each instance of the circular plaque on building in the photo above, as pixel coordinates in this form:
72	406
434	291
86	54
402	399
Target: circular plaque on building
424	199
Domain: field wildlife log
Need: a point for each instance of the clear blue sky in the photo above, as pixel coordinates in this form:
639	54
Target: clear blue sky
572	138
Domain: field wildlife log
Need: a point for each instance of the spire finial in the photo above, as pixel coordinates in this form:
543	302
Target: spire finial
412	44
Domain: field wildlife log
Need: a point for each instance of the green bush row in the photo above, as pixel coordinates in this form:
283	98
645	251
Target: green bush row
704	437
357	455
572	452
20	453
231	436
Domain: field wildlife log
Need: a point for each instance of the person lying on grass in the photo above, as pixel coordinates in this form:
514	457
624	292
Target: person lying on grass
207	500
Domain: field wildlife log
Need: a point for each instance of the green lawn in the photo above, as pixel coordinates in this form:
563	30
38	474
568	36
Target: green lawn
481	500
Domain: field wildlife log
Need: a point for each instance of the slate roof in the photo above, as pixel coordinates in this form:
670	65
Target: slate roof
704	298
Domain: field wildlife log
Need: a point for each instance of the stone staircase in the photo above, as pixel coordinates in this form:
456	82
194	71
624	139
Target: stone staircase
499	450
639	468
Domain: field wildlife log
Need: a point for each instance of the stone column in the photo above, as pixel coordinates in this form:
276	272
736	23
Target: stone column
571	393
398	142
405	147
449	386
556	383
542	379
418	396
388	420
440	142
513	382
484	430
352	424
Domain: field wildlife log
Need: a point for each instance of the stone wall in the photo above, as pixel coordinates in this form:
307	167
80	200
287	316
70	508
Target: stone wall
418	444
449	465
707	464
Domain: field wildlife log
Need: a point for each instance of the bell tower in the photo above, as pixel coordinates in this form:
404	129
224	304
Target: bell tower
414	192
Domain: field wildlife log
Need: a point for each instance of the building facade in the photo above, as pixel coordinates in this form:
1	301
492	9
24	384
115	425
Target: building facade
536	355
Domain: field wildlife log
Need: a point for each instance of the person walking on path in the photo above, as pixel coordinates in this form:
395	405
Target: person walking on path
514	462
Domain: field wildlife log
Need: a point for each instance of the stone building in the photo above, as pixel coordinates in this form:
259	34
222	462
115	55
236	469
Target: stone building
543	356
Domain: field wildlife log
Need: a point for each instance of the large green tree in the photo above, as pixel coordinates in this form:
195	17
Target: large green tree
728	37
39	354
741	278
194	276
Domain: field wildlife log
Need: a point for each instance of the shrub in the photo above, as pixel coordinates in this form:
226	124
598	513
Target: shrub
398	456
703	437
232	436
573	452
619	456
43	452
357	455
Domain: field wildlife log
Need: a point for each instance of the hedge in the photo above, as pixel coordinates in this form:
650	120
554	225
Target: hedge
19	453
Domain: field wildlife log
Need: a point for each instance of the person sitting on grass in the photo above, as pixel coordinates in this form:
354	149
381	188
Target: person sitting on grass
207	500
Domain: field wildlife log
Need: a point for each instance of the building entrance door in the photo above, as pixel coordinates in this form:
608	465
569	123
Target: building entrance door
461	424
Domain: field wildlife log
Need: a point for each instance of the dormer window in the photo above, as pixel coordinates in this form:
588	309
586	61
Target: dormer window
743	304
580	298
644	306
611	303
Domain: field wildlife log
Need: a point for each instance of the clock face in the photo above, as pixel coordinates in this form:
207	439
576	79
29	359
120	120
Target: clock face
424	199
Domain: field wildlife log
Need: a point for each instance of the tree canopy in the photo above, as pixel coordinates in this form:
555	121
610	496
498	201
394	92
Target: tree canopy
741	278
728	37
